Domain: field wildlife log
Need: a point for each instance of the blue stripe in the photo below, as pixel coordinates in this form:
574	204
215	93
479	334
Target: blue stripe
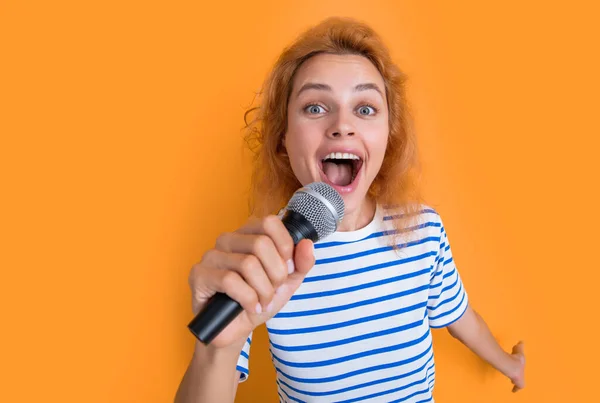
393	217
376	235
420	392
352	305
347	323
248	340
243	353
450	311
387	392
445	276
241	369
281	399
357	372
446	301
376	250
362	385
450	273
352	356
348	340
449	287
346	273
321	294
453	320
438	272
448	261
432	380
426	400
295	399
436	285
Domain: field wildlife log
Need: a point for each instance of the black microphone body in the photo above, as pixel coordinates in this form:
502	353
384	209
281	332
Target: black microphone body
313	212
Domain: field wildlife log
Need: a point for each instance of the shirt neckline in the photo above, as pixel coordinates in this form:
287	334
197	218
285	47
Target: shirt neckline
349	236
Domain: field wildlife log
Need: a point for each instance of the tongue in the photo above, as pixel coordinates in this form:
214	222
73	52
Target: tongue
338	174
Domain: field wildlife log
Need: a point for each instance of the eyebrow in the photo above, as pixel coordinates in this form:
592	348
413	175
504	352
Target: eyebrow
325	87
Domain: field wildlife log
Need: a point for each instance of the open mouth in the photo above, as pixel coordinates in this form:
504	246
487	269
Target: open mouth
341	169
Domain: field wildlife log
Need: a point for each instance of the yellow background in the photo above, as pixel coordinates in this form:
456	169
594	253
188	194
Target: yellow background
121	160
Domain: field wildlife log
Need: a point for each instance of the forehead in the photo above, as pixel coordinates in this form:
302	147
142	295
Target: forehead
341	72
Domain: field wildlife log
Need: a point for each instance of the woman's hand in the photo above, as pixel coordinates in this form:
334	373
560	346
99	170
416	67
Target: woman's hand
258	267
518	376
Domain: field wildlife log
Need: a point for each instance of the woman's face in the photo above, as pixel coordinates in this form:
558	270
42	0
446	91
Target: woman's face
337	128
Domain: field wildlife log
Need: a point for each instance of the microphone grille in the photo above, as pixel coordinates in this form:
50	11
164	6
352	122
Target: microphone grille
321	205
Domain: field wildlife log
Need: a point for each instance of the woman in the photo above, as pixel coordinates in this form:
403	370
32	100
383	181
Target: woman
349	317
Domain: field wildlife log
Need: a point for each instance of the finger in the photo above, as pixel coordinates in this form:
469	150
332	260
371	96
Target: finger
517	387
519	349
304	257
261	246
249	267
232	284
274	229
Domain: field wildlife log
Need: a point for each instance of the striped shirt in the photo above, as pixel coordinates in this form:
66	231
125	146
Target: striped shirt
358	327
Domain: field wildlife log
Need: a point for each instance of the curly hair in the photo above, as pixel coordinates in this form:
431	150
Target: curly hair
396	186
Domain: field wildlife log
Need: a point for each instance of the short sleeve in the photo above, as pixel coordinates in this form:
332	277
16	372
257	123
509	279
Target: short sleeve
447	300
242	364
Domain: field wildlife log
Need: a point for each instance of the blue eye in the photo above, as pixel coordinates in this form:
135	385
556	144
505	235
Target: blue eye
366	110
314	109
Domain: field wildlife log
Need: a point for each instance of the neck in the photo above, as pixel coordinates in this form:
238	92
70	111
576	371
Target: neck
358	218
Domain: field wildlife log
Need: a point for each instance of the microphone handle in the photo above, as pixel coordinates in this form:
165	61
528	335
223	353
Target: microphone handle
221	309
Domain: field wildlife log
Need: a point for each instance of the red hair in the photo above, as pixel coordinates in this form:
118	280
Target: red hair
273	182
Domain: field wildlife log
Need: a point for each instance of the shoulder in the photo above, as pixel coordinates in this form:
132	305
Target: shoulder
417	225
415	215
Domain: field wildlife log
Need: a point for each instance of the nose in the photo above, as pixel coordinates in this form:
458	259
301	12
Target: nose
341	127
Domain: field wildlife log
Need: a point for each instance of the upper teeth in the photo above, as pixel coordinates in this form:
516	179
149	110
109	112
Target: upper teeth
342	156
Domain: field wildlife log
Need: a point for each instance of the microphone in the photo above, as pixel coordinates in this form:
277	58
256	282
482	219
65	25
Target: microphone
313	212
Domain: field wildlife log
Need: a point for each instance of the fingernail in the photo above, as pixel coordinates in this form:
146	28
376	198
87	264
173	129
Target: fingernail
270	306
258	308
291	267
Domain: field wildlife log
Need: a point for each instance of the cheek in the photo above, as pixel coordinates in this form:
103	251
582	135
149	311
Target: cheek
292	136
302	142
293	145
297	151
302	139
378	145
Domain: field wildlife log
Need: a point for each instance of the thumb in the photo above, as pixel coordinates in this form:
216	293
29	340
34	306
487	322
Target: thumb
304	257
519	348
304	260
